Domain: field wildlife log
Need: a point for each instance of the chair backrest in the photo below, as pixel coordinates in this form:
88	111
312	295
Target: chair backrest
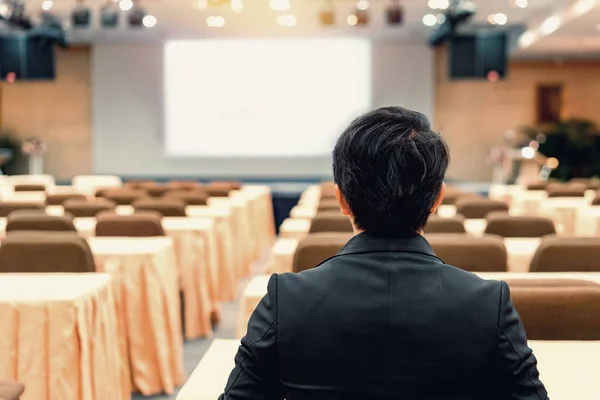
590	183
19	221
184	185
58	199
567	254
541	185
316	248
596	200
10	206
475	254
29	187
158	190
479	208
137	183
566	189
559	311
191	197
88	209
330	221
166	207
505	225
39	251
328	204
453	195
122	197
218	189
142	224
327	190
11	390
437	224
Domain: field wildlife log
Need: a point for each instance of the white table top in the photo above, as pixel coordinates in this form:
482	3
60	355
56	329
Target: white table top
129	245
36	287
568	369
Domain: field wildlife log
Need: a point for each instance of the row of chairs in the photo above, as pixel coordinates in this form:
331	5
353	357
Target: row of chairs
475	254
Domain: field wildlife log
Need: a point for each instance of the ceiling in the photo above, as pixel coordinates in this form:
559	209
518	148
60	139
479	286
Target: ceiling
576	35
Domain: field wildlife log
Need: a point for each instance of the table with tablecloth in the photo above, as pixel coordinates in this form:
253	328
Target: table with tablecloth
59	335
568	369
310	197
146	282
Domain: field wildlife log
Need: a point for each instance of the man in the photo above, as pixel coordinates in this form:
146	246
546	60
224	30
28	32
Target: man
386	318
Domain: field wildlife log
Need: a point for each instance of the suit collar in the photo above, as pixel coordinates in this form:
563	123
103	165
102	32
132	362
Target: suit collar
363	243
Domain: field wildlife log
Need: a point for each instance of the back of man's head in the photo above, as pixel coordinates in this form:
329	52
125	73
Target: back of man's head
390	166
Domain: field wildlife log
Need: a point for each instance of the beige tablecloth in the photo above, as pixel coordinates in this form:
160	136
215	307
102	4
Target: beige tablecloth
563	211
147	290
294	228
282	256
59	336
310	197
568	369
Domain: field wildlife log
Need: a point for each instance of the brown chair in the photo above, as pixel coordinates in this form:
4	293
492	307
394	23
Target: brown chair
142	224
437	224
475	254
316	248
184	185
505	225
328	204
590	183
158	190
453	195
192	197
327	190
330	221
567	254
27	221
137	183
59	199
166	207
38	251
561	311
566	190
29	187
88	209
479	208
123	197
11	390
219	189
10	206
541	185
596	200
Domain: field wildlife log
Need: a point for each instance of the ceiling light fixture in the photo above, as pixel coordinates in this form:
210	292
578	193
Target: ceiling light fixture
200	4
149	21
215	21
126	5
279	5
287	20
550	25
429	20
527	39
237	6
47	5
362	4
500	19
521	3
352	20
582	7
438	4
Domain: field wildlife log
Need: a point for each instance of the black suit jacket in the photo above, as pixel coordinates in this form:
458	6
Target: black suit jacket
385	319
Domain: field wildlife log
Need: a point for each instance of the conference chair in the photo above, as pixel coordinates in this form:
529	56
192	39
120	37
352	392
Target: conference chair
157	190
505	225
220	188
437	224
184	185
29	187
191	197
39	251
59	199
316	248
123	197
330	221
475	254
537	186
137	183
568	310
567	254
8	207
566	189
166	207
478	208
453	195
596	200
142	224
327	190
27	221
590	183
328	204
11	390
88	208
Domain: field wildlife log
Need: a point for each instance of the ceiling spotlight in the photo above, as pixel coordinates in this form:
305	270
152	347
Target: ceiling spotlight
149	21
528	152
288	20
362	5
237	6
81	16
279	5
521	3
395	13
215	21
438	4
136	16
429	20
352	19
109	15
200	4
550	25
47	5
500	19
126	5
526	40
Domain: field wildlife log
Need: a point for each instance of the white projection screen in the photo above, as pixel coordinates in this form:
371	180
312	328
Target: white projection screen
270	97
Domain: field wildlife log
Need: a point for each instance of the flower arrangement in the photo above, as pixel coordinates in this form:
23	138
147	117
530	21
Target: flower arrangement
34	147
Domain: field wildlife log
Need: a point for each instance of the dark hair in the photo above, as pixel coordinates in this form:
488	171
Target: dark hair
390	165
